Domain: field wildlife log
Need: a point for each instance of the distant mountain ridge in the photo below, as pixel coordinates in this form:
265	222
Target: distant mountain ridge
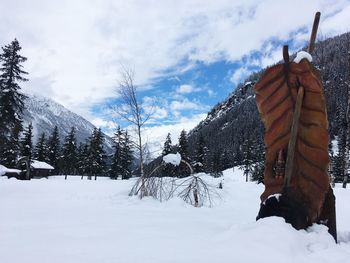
45	114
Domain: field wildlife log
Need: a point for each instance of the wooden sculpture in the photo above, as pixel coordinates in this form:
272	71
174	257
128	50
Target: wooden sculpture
292	106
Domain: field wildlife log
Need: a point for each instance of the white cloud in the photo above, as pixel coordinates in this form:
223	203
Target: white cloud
155	136
186	89
240	74
211	93
184	104
80	44
158	112
75	48
101	123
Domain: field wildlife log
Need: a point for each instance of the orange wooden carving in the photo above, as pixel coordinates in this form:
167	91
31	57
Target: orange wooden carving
276	94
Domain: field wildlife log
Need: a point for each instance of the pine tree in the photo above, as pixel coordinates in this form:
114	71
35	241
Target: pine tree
167	145
11	102
248	158
127	154
83	156
200	157
69	154
183	145
122	158
168	169
116	168
96	153
215	169
183	150
26	142
40	151
54	150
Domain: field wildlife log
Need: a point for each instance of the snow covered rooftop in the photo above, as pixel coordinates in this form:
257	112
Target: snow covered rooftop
4	170
41	165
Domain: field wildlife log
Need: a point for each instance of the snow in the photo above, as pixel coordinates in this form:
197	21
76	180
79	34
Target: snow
174	159
4	170
301	55
41	165
56	220
277	196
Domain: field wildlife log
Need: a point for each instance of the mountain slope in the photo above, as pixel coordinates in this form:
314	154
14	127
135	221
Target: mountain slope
45	114
233	127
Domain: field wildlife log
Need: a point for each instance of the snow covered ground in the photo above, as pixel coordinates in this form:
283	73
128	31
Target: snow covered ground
53	220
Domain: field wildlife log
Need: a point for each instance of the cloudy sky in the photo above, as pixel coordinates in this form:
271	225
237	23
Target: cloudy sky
186	55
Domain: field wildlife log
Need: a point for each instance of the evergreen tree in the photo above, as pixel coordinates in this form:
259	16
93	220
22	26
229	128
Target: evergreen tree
168	169
122	158
26	142
127	154
183	150
40	151
96	153
11	102
215	164
83	159
116	168
200	157
167	145
248	158
183	145
54	150
69	154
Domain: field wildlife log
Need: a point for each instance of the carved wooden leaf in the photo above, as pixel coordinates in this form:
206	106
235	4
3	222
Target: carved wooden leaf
276	94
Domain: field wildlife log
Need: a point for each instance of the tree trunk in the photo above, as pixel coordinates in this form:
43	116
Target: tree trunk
143	188
28	169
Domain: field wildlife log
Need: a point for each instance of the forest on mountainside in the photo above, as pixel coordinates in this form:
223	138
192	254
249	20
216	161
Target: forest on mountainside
233	127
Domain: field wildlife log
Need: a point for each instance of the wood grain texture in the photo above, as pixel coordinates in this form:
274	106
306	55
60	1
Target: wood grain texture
276	94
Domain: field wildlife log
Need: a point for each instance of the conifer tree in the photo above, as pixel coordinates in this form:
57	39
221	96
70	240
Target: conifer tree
183	145
69	154
83	156
11	102
54	150
122	158
26	142
40	151
116	168
127	156
216	161
167	145
96	153
200	157
183	150
248	159
168	169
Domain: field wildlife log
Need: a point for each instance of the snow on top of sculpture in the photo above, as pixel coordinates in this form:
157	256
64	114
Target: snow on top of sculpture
301	55
174	159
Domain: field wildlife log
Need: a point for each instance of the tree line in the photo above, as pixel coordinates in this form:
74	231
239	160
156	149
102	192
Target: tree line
85	159
68	157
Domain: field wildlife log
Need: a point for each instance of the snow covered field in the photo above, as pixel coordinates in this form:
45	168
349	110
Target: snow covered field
96	221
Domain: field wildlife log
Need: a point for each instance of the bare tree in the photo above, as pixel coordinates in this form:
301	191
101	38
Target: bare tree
132	111
193	189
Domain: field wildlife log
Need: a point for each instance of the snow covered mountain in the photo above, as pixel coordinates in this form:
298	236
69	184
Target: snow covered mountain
45	114
235	121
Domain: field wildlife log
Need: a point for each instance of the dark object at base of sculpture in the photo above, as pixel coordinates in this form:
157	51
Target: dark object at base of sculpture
295	212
